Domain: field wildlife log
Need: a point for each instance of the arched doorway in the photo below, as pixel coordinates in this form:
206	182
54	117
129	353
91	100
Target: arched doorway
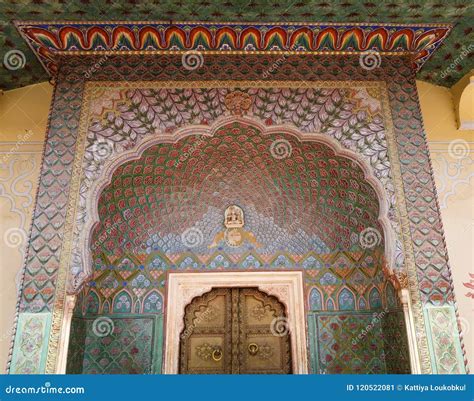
235	331
305	207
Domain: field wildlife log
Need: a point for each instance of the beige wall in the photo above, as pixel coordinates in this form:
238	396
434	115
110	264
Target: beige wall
23	118
452	155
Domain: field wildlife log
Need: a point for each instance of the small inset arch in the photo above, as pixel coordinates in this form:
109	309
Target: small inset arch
122	302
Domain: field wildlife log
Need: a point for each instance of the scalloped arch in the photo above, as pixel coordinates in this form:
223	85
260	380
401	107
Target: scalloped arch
209	131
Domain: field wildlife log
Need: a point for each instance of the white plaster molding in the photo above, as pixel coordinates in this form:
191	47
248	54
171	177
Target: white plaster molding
466	125
69	304
415	363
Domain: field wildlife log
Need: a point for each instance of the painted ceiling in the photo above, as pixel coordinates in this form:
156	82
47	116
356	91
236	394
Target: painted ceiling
450	62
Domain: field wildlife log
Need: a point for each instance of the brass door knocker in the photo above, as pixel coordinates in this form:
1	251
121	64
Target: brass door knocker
253	349
217	354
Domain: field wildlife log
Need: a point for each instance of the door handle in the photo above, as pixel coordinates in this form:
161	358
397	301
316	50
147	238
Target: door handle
253	349
217	354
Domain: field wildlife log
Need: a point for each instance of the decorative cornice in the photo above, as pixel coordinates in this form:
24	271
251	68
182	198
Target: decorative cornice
50	39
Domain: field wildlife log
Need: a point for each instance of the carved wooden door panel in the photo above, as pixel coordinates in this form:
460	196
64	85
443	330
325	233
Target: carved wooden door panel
205	343
235	330
264	343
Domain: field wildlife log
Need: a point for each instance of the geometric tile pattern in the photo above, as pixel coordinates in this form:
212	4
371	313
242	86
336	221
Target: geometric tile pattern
169	190
134	283
433	272
131	347
337	347
75	356
42	259
120	118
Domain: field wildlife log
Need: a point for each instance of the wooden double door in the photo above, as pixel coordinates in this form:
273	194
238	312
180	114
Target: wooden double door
235	331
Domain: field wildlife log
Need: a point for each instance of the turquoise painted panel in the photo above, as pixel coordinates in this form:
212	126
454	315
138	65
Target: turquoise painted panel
443	340
313	348
116	344
31	343
375	301
397	357
158	345
346	342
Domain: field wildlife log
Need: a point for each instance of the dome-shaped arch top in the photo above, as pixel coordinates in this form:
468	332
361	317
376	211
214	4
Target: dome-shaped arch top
297	196
82	261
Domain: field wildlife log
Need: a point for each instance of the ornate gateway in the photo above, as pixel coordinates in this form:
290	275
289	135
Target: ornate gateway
314	131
